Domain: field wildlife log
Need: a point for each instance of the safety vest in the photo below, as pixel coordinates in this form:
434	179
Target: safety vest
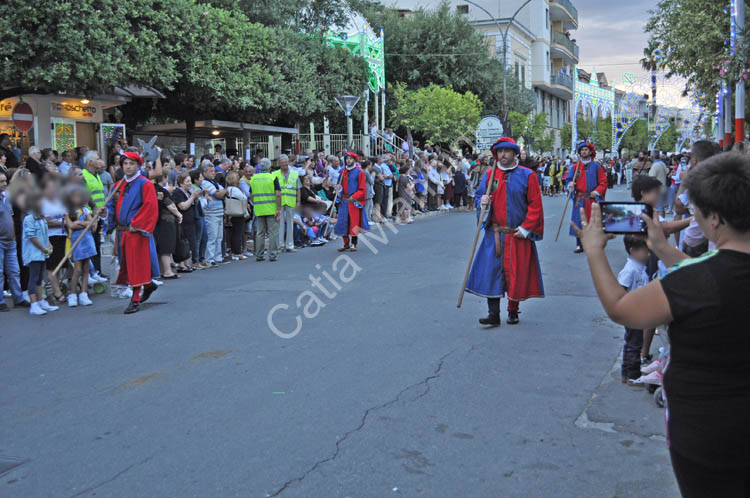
96	188
264	194
288	187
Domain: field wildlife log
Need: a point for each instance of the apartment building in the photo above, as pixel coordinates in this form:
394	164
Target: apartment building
540	48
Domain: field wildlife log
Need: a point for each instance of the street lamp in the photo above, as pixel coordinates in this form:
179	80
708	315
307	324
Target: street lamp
504	33
347	103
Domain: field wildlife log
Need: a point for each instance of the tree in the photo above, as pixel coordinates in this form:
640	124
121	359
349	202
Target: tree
418	49
694	32
668	139
566	135
49	50
439	115
650	62
532	129
603	136
636	138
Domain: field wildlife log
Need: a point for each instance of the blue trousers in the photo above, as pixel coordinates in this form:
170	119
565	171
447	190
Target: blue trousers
9	267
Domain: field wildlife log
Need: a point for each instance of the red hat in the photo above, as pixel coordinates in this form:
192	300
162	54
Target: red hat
505	143
586	144
131	155
355	156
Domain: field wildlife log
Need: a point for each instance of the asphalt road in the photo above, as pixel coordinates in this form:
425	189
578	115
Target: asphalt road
386	390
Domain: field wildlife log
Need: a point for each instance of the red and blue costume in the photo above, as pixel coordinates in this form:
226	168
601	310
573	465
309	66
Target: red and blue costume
134	205
504	263
352	218
590	178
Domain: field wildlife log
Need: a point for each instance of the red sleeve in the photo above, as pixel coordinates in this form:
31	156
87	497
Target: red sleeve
361	194
601	180
534	221
149	212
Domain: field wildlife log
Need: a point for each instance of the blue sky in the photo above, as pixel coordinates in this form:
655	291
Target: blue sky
610	35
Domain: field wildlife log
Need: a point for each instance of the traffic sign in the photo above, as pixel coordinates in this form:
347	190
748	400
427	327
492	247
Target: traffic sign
489	131
23	117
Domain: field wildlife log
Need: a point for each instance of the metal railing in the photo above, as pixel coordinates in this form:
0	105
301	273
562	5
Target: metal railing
563	40
569	7
564	80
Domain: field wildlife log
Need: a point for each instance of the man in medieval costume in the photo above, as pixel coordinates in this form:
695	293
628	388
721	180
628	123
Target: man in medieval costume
135	210
352	192
588	180
507	261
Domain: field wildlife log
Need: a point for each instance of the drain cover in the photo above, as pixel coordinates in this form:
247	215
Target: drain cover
8	463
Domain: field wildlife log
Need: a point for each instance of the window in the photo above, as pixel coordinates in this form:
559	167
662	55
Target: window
523	75
517	71
462	9
546	18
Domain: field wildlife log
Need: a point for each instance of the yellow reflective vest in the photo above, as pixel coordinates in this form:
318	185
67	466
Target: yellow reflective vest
95	187
264	194
288	187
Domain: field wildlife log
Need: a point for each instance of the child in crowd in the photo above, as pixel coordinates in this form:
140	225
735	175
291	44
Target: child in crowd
36	249
76	219
633	276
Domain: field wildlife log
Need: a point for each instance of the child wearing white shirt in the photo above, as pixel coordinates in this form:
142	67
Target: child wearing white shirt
633	276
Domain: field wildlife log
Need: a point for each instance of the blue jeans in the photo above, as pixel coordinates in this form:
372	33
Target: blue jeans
9	267
199	249
671	196
215	232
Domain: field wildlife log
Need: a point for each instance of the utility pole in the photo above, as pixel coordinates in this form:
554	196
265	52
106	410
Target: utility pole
504	34
739	91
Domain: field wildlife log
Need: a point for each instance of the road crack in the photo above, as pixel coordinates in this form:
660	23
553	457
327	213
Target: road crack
116	476
363	421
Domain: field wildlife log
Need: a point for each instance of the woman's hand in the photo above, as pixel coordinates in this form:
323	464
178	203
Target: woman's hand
592	234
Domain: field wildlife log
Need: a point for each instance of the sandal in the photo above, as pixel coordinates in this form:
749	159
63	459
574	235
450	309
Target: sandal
59	298
170	277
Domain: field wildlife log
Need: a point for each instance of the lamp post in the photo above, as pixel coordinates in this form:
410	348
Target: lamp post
347	103
504	34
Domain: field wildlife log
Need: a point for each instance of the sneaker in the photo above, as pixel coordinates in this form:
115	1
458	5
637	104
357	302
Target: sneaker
126	293
235	258
156	282
645	360
36	309
96	278
83	299
651	367
636	382
652	379
449	206
72	300
47	306
7	294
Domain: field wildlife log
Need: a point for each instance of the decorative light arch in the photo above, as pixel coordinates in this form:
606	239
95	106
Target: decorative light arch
591	95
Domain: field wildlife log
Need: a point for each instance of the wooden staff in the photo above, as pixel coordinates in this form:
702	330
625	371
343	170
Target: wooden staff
476	239
86	229
567	201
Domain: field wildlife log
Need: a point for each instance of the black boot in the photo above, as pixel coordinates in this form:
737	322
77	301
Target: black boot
513	317
493	319
147	291
578	250
132	308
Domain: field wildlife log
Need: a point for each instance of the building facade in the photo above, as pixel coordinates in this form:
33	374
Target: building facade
539	48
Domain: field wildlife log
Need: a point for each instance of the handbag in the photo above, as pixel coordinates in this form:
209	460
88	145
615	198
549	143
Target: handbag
235	206
182	249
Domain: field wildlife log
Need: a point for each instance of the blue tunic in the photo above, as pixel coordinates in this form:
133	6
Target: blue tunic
516	271
350	207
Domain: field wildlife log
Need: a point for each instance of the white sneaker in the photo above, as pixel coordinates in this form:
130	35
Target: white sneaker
96	278
448	206
157	282
83	299
36	309
26	296
126	293
47	306
72	300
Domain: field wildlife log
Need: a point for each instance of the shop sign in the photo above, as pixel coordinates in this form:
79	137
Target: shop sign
75	110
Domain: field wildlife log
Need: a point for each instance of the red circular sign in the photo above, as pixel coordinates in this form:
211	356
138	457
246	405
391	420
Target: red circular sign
23	117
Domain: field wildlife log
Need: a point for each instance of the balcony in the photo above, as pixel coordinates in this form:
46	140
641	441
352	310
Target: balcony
563	10
564	46
563	80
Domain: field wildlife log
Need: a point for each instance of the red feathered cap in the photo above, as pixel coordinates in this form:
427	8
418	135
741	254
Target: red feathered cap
353	155
505	143
131	155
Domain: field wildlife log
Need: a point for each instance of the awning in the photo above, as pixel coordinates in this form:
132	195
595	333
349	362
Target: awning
204	128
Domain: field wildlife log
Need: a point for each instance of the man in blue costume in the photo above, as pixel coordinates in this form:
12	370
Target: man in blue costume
133	213
590	185
352	189
507	261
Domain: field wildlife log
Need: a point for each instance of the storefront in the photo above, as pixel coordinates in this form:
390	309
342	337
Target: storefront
63	123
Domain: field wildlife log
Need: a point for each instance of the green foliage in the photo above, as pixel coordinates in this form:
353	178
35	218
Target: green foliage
636	138
86	47
668	139
442	31
566	134
438	114
694	32
532	129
